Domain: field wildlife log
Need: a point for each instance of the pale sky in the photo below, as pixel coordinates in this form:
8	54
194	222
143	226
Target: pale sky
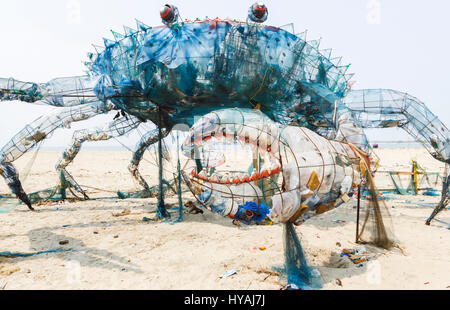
397	44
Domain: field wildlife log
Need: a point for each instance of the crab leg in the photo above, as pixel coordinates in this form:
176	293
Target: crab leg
147	140
113	129
36	132
59	92
385	108
445	198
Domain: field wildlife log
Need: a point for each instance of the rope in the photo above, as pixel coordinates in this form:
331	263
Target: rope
260	87
13	254
99	189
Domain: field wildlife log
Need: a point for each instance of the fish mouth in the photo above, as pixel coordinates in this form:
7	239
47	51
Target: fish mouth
250	142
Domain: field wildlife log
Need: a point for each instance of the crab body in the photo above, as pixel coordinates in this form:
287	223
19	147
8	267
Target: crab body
194	68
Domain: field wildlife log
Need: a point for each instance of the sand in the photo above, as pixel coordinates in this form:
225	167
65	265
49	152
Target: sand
124	252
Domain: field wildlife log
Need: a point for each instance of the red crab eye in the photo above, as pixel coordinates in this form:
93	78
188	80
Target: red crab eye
164	11
167	13
259	10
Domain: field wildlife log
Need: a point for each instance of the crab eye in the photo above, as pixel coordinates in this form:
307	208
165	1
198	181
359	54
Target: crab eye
169	14
258	12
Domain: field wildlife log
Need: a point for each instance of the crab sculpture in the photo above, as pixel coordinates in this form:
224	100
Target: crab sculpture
175	73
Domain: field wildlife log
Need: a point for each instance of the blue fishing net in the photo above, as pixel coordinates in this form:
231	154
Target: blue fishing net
296	267
8	204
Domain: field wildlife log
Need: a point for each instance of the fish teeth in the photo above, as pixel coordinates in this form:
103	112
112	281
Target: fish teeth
214	178
255	175
225	179
202	173
237	179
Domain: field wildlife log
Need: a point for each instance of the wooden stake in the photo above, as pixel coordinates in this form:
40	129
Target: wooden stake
415	177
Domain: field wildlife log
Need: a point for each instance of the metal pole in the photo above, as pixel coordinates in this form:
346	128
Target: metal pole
161	209
180	198
357	213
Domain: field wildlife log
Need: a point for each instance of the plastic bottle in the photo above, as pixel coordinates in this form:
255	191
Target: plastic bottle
346	185
312	201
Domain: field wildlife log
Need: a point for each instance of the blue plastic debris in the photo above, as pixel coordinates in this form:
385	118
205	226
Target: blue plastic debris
432	192
228	274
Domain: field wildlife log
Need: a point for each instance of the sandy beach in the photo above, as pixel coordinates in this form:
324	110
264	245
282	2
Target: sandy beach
125	252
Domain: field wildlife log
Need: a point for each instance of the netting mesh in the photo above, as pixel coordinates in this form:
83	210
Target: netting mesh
377	227
412	183
296	267
8	204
